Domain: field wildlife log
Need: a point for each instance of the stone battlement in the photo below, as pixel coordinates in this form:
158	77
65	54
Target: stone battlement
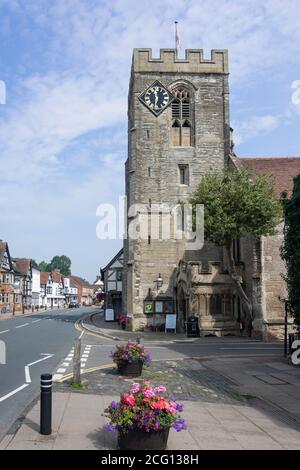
169	62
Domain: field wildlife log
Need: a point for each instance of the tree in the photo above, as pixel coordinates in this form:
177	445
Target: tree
291	247
43	266
34	264
234	206
63	263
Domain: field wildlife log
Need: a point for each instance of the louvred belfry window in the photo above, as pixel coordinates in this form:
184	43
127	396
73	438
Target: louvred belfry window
181	134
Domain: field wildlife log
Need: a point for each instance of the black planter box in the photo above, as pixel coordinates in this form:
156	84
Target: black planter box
132	369
142	440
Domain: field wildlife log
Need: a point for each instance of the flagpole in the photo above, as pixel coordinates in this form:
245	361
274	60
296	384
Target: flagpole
176	35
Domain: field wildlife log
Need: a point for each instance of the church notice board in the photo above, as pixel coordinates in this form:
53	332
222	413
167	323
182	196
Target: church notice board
170	322
163	306
109	314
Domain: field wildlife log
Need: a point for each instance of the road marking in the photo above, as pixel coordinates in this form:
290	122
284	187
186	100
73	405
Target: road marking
57	377
35	321
13	392
252	349
21	326
4	331
65	364
61	370
27	373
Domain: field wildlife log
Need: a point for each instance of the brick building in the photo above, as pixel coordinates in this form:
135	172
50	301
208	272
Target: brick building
178	129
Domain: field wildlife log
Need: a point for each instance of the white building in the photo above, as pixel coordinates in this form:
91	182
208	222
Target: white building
52	290
36	287
70	291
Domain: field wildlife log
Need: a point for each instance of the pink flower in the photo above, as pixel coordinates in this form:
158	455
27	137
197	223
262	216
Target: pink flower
128	399
149	393
170	409
160	389
135	388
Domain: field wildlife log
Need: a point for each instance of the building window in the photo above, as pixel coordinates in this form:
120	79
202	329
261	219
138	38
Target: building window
147	134
181	131
119	275
184	174
215	304
149	171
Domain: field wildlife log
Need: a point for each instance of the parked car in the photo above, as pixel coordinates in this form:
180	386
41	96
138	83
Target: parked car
74	305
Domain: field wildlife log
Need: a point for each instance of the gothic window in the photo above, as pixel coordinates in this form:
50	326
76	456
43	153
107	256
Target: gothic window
181	132
184	174
215	304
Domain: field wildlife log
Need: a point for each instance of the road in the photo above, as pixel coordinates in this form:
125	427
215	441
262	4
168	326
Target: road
43	342
34	344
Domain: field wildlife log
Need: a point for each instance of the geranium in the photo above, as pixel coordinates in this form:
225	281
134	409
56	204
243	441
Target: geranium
144	407
129	353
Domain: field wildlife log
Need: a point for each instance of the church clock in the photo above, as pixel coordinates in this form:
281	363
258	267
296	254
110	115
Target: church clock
156	98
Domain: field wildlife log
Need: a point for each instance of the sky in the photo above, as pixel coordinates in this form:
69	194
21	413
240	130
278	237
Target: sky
63	127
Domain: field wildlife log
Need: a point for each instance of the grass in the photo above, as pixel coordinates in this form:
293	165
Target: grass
79	386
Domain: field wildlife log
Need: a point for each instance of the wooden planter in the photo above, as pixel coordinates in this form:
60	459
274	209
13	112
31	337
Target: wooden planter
131	369
142	440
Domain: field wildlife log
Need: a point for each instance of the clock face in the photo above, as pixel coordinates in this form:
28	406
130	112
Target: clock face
156	98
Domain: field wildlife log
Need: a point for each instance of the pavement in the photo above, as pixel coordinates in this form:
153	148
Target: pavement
31	345
229	403
112	330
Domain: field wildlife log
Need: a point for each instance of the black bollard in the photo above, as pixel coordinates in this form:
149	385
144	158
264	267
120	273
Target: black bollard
46	404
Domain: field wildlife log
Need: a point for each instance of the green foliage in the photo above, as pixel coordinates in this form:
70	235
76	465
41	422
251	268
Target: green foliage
77	386
63	263
43	266
236	205
291	247
34	264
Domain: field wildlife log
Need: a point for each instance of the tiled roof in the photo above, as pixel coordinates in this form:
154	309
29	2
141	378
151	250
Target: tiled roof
79	280
21	265
282	169
56	276
44	277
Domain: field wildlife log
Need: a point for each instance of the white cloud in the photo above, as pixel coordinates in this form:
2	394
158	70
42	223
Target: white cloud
255	126
62	142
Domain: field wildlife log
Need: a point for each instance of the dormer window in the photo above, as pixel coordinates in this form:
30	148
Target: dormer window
181	135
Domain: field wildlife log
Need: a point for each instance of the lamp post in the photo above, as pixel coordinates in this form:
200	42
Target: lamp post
159	281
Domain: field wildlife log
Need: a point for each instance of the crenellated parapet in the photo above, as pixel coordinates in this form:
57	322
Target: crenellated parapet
168	61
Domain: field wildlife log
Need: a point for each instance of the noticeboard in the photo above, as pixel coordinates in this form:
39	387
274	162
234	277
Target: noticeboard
170	322
109	314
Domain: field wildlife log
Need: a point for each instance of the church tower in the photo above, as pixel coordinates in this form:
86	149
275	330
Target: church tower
178	129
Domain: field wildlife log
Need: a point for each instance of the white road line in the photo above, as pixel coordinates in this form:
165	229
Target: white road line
65	364
13	392
81	335
61	370
253	349
27	374
35	321
85	355
21	326
4	331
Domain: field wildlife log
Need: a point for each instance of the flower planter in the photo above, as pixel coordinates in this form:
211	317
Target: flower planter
132	369
142	440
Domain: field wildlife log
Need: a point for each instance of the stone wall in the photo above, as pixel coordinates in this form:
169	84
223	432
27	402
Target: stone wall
152	167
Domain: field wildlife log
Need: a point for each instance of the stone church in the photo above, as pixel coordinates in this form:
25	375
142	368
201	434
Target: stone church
179	129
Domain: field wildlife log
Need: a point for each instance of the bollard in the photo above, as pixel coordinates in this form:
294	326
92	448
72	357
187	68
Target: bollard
46	404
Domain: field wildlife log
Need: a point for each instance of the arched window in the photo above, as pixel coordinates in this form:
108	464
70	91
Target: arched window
181	131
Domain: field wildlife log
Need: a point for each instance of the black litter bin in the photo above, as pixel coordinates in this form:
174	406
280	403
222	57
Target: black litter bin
192	327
